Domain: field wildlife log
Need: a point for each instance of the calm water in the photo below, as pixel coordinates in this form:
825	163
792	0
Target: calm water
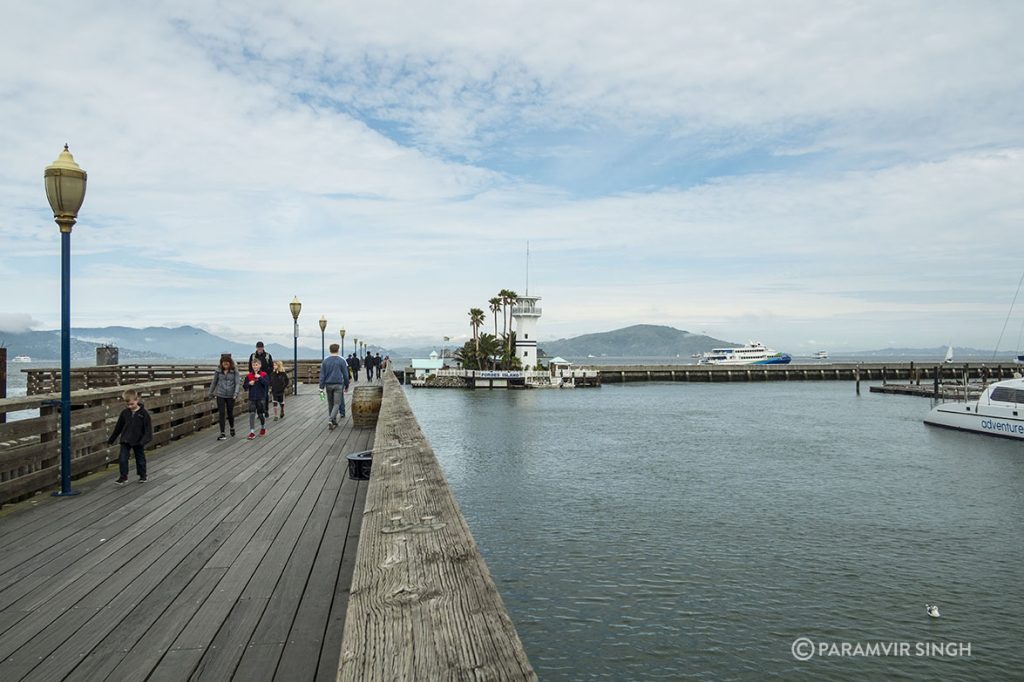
668	531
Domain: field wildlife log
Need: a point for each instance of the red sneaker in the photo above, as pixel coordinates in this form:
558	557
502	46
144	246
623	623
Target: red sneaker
251	436
263	432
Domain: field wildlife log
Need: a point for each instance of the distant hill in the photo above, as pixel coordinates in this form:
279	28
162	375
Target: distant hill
937	354
150	343
638	341
45	346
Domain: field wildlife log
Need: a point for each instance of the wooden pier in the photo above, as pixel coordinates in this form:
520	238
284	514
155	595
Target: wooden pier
246	560
233	561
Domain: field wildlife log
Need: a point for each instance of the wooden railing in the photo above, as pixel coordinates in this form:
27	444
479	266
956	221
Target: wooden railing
47	379
423	605
30	448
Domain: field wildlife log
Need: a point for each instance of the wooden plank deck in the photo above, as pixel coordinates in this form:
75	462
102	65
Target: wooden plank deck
234	561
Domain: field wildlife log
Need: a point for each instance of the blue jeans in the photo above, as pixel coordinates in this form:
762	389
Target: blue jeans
140	459
335	401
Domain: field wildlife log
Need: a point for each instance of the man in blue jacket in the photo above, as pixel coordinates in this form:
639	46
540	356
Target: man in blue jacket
334	380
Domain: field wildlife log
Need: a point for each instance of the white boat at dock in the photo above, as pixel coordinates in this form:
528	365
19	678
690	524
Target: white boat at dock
998	412
821	355
753	353
21	358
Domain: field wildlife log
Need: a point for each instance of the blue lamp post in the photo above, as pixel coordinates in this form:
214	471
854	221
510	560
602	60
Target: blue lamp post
65	190
323	328
295	307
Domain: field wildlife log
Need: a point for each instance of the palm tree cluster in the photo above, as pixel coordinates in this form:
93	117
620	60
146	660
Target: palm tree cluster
491	350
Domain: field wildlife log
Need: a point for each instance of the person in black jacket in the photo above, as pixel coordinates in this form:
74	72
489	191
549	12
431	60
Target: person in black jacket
265	358
278	384
135	427
353	366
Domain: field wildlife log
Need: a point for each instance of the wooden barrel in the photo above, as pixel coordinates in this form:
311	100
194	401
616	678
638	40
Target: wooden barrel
366	406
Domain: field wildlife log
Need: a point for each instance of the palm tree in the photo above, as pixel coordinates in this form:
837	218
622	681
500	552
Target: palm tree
510	299
489	351
503	295
495	303
476	318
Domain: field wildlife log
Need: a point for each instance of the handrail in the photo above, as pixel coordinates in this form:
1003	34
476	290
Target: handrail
30	448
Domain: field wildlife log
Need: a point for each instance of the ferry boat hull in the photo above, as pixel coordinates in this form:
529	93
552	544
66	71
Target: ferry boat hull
995	413
752	354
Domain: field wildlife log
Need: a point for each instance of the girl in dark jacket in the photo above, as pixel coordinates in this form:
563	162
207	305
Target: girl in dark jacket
278	384
257	383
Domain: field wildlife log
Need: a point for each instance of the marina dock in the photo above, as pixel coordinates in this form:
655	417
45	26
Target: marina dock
622	374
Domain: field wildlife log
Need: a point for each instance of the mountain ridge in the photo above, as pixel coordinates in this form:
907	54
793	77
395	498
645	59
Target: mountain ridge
192	343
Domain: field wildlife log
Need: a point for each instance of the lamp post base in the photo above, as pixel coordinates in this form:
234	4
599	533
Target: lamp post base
61	493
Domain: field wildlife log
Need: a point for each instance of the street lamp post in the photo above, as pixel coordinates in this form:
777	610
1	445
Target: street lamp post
65	190
295	307
355	346
342	332
323	327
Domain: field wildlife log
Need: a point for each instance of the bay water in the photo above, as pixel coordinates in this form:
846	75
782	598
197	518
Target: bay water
698	531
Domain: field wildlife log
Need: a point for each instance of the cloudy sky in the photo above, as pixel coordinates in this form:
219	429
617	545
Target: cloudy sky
841	175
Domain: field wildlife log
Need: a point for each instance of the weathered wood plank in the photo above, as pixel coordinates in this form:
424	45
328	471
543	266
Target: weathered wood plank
327	669
301	655
423	604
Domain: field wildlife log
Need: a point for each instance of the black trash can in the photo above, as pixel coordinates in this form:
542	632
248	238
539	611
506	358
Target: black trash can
359	465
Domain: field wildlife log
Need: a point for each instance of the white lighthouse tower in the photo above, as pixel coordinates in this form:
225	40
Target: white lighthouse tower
526	312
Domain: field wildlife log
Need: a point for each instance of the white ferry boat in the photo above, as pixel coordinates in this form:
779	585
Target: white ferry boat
753	353
21	358
998	412
821	355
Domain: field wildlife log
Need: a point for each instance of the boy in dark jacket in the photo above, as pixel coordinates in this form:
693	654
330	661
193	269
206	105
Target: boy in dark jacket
135	427
257	383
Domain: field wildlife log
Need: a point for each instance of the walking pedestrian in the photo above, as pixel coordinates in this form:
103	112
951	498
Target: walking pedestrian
369	366
257	383
135	427
334	381
278	384
354	365
378	363
225	387
265	358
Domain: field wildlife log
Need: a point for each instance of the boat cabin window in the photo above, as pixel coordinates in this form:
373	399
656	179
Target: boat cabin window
1007	395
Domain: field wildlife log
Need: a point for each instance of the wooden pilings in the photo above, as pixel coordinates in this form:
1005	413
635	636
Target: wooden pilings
856	372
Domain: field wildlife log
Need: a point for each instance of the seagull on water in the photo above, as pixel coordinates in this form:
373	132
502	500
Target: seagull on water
932	609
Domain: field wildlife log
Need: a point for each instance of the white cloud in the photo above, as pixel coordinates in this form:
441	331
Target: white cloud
793	170
17	322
